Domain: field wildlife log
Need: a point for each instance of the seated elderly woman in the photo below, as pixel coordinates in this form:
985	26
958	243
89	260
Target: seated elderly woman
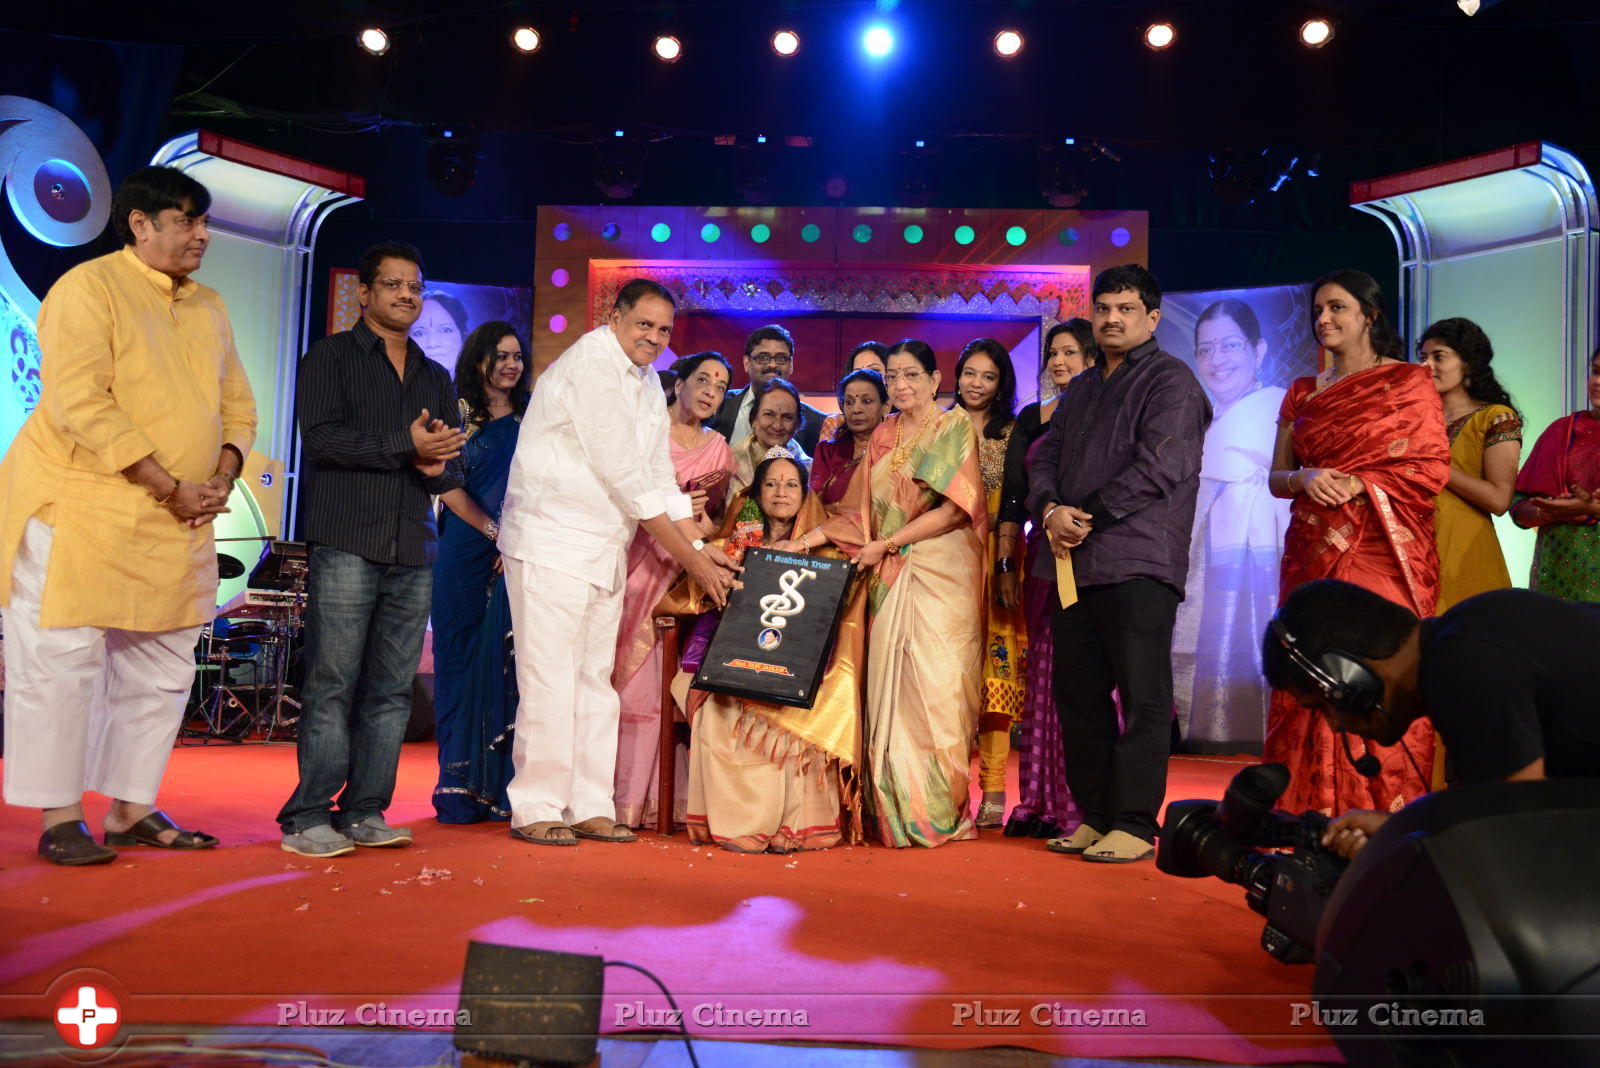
763	777
776	417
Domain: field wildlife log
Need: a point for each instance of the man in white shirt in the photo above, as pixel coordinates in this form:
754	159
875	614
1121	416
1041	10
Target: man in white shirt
593	463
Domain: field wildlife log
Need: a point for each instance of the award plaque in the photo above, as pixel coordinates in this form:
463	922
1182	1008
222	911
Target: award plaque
775	636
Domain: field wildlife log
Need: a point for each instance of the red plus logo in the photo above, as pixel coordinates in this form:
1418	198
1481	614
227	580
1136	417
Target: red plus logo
87	1015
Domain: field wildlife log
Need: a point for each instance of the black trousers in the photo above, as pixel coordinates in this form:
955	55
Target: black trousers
1116	637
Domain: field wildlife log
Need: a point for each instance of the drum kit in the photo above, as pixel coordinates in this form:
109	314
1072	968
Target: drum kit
247	658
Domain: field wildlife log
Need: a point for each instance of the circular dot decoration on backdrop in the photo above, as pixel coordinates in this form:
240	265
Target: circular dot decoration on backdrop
810	233
660	232
862	233
1069	236
563	231
1120	236
965	235
611	231
558	323
559	277
913	234
761	233
710	233
1016	235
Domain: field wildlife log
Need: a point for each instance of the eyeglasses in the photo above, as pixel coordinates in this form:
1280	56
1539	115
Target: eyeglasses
1228	346
394	285
904	376
772	361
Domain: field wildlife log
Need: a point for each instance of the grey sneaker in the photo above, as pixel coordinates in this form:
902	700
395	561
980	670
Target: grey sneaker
373	831
319	841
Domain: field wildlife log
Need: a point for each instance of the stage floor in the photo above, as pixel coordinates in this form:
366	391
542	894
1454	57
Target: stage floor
979	944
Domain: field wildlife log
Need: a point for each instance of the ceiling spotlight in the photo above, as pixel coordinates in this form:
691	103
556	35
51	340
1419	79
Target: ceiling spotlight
668	48
525	39
786	42
1314	33
1159	35
1008	43
836	187
373	40
878	42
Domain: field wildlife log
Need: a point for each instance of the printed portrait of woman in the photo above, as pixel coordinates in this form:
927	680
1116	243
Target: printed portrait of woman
1238	537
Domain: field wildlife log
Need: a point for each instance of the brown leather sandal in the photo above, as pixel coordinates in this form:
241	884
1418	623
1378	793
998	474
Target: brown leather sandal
544	833
148	832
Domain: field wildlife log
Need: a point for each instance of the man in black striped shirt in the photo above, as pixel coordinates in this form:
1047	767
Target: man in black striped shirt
380	432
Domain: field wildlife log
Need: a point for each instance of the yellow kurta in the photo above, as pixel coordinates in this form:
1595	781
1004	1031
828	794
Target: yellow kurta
128	368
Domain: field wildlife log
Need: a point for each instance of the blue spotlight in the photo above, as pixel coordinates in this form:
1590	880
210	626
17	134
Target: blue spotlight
878	42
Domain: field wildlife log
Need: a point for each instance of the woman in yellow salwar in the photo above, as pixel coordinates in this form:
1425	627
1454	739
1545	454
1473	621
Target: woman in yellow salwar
916	518
770	778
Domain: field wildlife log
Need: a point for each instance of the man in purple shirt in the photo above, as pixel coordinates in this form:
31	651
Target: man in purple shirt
1114	484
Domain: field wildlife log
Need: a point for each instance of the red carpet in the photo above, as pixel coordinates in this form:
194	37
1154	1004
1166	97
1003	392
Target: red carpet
910	947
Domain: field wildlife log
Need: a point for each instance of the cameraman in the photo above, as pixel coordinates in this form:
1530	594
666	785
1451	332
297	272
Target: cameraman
1507	677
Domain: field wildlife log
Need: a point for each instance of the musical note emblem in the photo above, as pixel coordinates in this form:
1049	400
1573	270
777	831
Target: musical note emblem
776	608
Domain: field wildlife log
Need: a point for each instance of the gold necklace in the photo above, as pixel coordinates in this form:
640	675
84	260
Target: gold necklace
898	454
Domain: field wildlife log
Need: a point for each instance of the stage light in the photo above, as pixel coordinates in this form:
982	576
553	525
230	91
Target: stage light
1008	43
836	187
1159	35
756	174
786	42
452	163
1314	33
373	40
1472	7
668	48
1238	176
878	42
525	39
619	168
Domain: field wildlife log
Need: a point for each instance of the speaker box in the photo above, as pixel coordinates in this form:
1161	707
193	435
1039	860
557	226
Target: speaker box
530	1004
1467	932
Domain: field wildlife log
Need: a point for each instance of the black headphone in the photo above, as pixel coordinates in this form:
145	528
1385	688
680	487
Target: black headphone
1345	680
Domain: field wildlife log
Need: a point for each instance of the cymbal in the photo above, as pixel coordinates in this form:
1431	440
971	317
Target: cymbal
228	567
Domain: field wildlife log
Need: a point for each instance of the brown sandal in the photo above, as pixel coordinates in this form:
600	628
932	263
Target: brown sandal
148	832
544	833
601	829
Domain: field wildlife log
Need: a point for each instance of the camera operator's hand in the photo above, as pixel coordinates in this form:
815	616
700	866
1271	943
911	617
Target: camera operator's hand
1347	834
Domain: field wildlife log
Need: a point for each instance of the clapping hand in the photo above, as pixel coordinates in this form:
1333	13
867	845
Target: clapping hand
434	441
1576	507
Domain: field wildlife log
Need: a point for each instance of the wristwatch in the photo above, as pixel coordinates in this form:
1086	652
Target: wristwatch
698	543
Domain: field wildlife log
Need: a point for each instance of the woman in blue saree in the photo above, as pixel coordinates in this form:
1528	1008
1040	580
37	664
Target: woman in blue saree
475	699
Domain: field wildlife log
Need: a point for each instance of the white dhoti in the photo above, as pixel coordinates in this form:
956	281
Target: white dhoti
564	750
87	708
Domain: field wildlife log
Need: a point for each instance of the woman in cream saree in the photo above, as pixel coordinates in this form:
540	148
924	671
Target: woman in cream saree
916	515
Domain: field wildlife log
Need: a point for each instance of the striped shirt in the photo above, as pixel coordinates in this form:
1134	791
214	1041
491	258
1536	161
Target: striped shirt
362	495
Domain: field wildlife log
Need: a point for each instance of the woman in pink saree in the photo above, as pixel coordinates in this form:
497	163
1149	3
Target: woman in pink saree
704	464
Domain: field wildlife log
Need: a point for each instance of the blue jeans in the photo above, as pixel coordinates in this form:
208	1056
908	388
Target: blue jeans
364	627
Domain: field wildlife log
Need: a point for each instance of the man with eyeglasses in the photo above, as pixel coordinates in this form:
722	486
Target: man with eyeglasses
108	568
381	432
768	354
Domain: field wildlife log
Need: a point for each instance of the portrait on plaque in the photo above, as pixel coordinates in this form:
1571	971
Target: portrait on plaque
774	638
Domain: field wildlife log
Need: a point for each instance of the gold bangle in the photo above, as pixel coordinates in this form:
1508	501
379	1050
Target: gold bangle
170	492
890	545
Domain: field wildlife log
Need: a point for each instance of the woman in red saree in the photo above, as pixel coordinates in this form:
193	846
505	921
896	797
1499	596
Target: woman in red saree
1362	453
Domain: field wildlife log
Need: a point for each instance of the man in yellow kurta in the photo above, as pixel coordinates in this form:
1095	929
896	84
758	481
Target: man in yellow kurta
108	568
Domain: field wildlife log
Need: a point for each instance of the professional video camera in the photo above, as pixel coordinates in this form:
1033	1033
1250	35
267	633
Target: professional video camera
1225	839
